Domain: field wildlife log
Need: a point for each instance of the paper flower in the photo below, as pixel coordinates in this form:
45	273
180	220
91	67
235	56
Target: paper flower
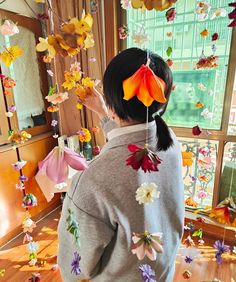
9	114
84	135
202	10
199	105
169	62
2	272
12	108
36	277
8	28
225	212
79	106
215	36
207	114
140	37
144	84
47	59
187	158
54	123
201	87
204	33
219	12
201	242
190	202
188	242
19	165
196	130
76	264
187	274
23	178
198	233
8	82
57	98
83	89
232	15
221	248
123	32
146	193
188	259
20	186
55	165
42	16
92	59
29	201
95	129
142	158
148	274
147	244
169	51
27	238
169	34
171	14
32	247
33	262
73	227
10	55
125	4
18	137
207	62
43	46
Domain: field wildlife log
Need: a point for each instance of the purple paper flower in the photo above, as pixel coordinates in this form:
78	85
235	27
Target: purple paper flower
221	249
148	274
12	108
23	178
54	122
76	264
188	259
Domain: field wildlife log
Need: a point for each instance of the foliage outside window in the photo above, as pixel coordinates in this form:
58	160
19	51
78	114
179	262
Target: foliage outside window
202	175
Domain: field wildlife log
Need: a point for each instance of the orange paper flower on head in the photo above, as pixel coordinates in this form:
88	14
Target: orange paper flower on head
145	85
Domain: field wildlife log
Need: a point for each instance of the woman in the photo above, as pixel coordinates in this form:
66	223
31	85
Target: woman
106	207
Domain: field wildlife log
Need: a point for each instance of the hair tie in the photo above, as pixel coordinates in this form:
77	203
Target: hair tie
155	114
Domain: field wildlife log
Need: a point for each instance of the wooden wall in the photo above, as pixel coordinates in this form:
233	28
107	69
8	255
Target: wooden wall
11	211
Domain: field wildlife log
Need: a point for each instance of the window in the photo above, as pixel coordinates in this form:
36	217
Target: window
207	177
30	75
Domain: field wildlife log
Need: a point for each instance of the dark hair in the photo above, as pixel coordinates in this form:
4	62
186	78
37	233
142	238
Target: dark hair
123	66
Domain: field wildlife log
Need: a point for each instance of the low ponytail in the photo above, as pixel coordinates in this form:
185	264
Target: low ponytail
164	138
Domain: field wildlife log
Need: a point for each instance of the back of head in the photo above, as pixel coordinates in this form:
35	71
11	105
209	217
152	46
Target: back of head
124	65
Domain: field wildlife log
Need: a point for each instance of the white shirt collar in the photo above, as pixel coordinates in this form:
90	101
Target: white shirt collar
128	129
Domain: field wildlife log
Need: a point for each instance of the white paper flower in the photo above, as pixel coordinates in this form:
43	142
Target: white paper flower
220	12
125	4
146	193
8	28
207	114
33	247
202	10
201	87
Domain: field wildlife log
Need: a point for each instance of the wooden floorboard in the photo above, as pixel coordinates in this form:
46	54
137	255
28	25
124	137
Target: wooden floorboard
14	258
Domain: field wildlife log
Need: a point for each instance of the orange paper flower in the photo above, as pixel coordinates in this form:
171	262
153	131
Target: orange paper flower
8	82
52	109
199	105
145	85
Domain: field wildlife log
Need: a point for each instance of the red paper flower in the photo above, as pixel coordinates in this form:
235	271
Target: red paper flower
215	37
171	14
232	15
142	158
196	130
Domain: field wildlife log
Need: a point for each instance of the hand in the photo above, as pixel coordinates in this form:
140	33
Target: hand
95	102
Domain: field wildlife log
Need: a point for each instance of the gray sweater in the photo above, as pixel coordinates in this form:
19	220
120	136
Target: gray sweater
102	199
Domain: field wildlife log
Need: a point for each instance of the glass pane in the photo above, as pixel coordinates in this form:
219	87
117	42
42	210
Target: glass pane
28	97
232	118
199	161
228	177
192	86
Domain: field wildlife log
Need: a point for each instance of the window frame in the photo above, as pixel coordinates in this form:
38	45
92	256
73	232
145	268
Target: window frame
33	25
222	136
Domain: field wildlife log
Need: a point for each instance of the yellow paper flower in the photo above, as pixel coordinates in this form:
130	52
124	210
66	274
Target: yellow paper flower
43	45
79	106
11	54
204	33
89	41
84	135
71	79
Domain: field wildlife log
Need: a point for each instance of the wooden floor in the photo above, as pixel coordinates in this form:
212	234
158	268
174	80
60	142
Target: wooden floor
14	259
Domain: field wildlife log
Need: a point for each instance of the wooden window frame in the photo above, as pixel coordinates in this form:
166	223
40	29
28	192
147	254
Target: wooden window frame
33	25
114	11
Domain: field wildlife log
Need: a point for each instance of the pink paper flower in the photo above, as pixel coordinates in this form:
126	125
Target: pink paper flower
201	194
147	244
123	32
27	238
8	28
55	165
57	98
